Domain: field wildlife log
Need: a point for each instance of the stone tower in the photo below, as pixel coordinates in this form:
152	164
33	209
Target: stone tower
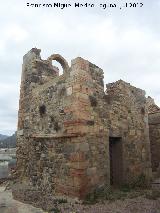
72	136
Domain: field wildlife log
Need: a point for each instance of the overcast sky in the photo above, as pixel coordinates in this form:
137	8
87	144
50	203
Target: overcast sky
124	43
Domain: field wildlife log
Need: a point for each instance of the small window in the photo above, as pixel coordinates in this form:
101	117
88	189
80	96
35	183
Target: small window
93	101
42	110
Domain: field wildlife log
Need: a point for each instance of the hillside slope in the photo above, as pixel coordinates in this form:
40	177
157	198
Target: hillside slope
9	142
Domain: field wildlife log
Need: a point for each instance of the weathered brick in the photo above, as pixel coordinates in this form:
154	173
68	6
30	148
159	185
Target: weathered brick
71	128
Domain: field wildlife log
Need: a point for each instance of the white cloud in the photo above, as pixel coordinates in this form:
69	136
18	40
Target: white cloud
15	33
2	47
126	44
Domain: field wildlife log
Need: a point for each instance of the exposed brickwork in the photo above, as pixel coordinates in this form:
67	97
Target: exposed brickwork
65	124
128	119
154	132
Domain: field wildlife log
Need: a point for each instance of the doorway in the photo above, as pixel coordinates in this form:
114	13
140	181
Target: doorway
116	165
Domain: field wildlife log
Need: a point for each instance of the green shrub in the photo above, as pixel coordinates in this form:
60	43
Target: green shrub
55	210
140	182
60	200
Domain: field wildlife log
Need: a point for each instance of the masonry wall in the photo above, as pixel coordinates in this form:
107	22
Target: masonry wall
31	77
63	143
154	131
128	119
65	123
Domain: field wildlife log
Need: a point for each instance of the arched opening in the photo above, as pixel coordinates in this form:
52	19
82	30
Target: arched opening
58	67
61	60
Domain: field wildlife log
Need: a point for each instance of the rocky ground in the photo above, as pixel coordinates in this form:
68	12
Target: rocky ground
135	205
9	205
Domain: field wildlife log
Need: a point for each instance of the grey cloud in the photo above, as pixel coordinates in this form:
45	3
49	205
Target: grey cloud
125	44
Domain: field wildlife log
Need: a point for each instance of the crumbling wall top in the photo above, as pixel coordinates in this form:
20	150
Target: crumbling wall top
152	107
61	60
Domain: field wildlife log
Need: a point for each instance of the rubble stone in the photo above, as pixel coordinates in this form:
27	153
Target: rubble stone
74	136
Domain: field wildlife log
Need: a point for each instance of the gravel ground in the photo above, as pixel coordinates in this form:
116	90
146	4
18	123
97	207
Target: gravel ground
9	205
135	205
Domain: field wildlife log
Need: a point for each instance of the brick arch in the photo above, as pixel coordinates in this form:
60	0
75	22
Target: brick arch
61	60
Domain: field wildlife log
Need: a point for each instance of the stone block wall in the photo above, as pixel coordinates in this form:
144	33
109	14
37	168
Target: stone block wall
62	131
128	119
65	124
154	133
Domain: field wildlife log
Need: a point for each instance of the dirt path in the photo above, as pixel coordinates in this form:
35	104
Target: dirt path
135	205
9	205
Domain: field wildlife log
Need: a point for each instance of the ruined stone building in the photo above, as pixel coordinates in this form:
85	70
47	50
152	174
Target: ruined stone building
75	135
154	132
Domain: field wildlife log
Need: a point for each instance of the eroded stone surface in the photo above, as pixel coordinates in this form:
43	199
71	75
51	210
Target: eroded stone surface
67	125
154	132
